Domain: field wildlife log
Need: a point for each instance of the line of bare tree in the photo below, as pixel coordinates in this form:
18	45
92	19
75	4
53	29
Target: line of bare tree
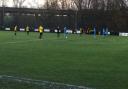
71	4
119	8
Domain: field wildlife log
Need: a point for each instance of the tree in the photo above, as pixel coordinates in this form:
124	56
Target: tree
114	4
51	4
64	4
78	4
18	3
3	2
100	4
47	4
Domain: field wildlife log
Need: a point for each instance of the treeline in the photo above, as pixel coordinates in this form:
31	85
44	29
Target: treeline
112	13
86	4
68	4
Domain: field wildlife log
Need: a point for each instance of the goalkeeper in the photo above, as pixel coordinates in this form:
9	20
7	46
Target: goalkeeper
27	30
15	30
41	30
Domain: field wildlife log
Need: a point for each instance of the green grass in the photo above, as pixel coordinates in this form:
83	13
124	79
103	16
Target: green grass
100	63
15	85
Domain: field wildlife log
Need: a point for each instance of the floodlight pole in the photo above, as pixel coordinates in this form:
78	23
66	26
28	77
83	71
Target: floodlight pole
76	14
3	11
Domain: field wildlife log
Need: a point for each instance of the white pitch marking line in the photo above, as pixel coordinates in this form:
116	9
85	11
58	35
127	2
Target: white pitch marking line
40	82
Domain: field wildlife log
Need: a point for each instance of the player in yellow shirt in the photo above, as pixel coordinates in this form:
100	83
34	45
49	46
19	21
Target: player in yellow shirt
41	30
15	30
27	30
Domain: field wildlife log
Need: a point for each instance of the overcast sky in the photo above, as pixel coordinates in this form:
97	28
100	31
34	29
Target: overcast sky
28	3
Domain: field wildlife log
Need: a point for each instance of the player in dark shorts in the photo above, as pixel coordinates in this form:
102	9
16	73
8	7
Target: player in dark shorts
15	30
27	30
58	31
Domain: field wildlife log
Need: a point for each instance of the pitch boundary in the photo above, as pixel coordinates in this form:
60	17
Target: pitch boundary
51	85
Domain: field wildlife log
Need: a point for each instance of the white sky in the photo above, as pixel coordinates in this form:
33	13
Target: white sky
28	3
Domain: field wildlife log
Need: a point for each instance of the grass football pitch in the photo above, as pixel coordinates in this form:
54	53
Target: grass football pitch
100	63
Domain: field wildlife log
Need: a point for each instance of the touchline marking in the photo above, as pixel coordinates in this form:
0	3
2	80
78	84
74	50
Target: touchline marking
42	83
